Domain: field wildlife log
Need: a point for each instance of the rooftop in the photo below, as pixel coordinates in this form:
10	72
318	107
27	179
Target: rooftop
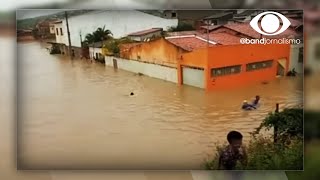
294	22
144	32
246	29
188	43
223	38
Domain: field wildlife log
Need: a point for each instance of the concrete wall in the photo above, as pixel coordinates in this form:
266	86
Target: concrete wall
294	59
159	51
223	56
93	51
193	77
119	22
152	70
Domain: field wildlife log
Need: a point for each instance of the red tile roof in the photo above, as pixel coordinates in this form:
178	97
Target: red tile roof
246	29
144	32
294	22
222	38
188	43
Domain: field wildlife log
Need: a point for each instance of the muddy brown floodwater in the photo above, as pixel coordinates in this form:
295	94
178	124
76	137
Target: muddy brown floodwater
79	115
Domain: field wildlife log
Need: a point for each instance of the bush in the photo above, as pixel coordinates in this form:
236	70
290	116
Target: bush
265	154
181	27
289	124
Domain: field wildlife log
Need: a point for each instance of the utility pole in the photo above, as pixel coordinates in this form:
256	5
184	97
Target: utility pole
80	39
68	32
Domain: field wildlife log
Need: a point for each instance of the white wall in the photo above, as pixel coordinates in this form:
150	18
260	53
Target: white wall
120	23
52	30
152	70
294	59
193	77
60	39
93	51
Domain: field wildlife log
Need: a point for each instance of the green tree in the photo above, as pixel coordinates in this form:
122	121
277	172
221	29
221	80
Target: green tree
181	27
100	34
289	123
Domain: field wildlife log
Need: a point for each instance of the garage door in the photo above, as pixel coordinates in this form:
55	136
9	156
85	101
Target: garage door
193	77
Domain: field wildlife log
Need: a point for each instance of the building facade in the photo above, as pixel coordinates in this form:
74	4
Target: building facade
120	23
231	66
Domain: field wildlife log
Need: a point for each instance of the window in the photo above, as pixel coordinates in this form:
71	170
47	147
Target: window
259	65
174	14
57	31
61	33
229	70
300	55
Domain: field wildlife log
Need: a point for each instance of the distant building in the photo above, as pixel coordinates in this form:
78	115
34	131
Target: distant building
25	34
120	23
146	34
218	63
245	15
219	18
44	29
95	51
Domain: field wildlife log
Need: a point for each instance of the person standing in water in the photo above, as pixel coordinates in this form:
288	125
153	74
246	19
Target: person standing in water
256	101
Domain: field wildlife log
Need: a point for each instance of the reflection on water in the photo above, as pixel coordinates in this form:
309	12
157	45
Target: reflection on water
77	114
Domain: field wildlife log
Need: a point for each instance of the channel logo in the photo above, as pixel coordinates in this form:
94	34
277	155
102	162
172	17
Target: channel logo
270	23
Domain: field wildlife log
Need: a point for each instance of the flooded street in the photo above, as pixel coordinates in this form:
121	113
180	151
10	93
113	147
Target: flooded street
79	115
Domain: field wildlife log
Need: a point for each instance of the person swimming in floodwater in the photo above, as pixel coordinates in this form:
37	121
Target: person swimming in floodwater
131	94
247	106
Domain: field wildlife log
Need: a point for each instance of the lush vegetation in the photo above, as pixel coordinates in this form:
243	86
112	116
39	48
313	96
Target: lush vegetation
101	34
265	154
181	27
112	45
312	148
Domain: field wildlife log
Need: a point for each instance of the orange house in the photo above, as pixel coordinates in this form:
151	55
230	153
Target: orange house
230	66
158	51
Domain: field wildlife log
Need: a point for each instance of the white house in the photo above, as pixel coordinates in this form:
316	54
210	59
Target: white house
60	32
119	22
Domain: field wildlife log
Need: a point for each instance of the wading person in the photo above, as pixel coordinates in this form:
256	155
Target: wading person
256	101
233	153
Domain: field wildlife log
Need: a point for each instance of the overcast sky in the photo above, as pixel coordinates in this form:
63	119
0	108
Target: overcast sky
26	13
10	5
